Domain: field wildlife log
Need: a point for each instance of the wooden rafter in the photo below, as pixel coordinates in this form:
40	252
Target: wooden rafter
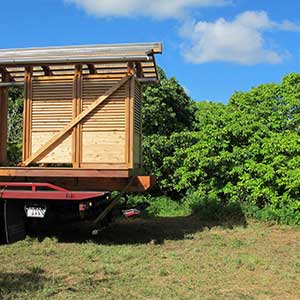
155	67
92	68
139	70
59	137
47	71
6	74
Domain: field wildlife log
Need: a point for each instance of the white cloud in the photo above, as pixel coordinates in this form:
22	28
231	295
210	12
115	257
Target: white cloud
241	40
154	8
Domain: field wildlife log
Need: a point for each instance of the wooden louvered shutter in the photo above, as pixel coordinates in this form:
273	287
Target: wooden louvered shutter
51	112
107	136
137	130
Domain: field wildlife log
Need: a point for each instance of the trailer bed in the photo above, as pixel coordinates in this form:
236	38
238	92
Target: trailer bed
79	179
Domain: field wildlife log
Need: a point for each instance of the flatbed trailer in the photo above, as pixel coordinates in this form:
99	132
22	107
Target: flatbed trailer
23	202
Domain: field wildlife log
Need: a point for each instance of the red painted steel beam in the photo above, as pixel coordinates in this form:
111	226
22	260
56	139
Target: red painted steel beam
50	195
9	190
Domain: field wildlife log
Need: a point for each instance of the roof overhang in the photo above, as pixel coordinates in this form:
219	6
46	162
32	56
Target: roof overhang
106	59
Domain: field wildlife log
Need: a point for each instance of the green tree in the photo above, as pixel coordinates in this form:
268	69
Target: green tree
15	119
166	107
167	111
247	151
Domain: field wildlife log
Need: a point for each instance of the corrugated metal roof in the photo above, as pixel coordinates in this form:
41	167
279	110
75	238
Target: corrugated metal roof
108	59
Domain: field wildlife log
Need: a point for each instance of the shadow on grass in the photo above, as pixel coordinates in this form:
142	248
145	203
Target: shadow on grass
155	230
11	284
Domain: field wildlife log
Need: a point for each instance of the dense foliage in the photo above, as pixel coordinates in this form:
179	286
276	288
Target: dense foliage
246	152
213	158
15	119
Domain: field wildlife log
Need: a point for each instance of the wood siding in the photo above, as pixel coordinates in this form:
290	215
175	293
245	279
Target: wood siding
52	109
108	136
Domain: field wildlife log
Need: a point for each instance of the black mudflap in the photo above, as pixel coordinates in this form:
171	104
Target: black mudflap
13	219
2	226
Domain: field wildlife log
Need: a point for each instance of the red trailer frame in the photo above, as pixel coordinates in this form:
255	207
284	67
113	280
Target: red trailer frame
42	191
11	192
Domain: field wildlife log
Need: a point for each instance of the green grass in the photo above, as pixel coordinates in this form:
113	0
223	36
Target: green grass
159	258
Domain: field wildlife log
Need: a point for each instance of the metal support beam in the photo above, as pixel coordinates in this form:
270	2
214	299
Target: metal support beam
11	84
71	60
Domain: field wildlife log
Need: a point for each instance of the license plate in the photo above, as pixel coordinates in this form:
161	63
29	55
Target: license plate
35	212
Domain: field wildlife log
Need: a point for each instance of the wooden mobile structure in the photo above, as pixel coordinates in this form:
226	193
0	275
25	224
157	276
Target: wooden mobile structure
82	114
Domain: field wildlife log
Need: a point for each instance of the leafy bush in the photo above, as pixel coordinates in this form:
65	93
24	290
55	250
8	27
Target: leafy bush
245	153
211	208
15	120
160	206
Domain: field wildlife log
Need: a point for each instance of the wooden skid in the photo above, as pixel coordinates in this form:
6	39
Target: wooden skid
80	179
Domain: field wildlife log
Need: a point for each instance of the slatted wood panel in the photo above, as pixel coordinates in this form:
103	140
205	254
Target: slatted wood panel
103	131
108	138
51	112
137	136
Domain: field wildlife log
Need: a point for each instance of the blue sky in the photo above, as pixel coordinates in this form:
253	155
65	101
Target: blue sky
213	47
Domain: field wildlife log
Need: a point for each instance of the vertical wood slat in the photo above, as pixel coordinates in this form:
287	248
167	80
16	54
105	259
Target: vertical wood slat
3	120
77	109
130	116
27	113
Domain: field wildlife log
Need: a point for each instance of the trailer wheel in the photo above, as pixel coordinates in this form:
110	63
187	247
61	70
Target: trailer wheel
2	228
12	221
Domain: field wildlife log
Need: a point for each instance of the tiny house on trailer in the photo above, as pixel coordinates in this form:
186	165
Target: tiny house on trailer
82	128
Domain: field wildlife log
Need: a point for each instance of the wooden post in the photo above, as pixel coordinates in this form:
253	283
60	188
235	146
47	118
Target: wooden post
77	109
3	121
130	68
130	116
27	113
139	70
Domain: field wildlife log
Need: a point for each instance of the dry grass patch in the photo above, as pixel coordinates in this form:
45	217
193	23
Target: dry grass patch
163	258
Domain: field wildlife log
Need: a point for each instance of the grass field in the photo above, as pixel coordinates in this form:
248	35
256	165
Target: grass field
159	258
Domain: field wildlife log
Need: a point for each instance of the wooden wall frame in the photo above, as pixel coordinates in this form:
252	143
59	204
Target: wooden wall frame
82	106
131	157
